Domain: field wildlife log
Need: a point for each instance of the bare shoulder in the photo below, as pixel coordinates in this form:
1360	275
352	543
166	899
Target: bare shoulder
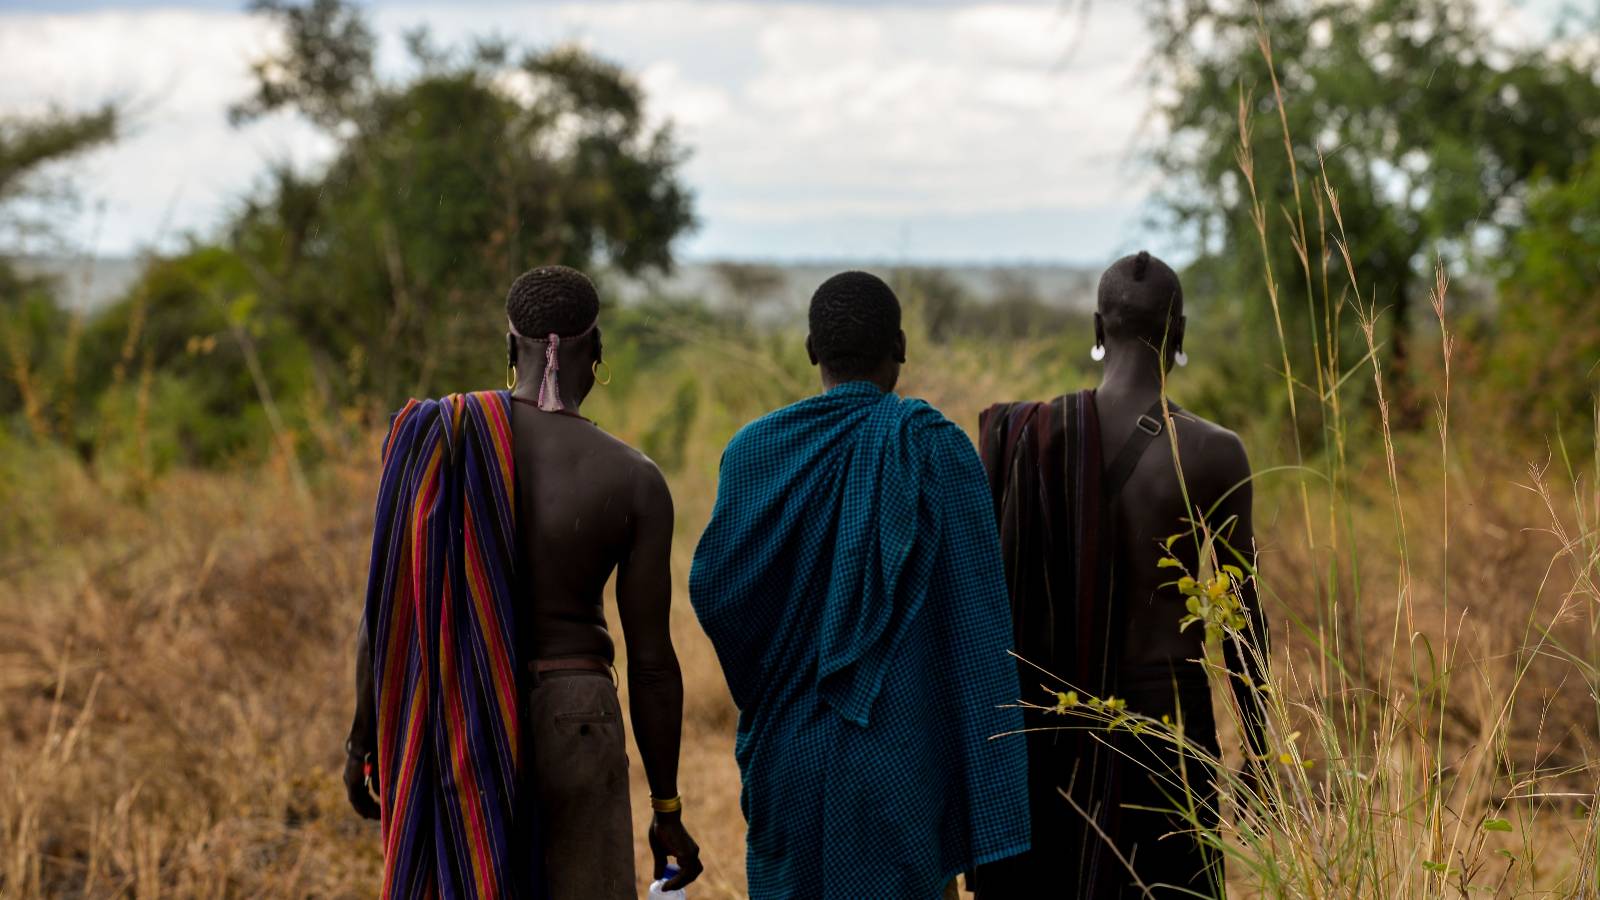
650	488
634	468
1214	450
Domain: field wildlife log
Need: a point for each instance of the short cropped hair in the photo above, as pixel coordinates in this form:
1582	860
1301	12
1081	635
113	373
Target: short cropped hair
855	320
552	300
1139	297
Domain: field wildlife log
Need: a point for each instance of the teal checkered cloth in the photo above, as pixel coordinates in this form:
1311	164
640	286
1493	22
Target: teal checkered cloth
851	581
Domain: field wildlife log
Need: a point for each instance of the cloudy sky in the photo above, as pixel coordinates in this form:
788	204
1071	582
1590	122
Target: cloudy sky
940	131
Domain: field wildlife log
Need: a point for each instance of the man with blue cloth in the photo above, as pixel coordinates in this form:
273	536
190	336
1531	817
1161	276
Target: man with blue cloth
851	581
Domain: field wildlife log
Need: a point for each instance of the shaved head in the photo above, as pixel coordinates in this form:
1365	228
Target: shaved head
1139	298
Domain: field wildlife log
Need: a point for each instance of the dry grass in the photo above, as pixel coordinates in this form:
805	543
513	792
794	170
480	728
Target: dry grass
176	652
175	657
175	684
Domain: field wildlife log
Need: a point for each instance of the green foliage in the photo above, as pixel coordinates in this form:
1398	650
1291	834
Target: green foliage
669	434
445	187
1432	131
29	144
170	370
1547	349
37	341
325	68
32	349
378	277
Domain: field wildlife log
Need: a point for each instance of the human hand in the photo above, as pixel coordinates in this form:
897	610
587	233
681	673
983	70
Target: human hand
355	787
668	837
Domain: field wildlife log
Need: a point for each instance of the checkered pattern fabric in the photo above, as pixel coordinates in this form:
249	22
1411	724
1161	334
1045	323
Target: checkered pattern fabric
851	581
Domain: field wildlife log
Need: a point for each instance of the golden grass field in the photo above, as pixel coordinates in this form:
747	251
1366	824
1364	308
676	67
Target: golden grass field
175	676
175	662
176	647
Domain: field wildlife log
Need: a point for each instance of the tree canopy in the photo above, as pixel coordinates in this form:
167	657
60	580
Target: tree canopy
445	186
1432	131
378	275
31	322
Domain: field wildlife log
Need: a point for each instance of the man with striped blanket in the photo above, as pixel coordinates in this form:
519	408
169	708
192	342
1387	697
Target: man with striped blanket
1088	489
487	721
850	579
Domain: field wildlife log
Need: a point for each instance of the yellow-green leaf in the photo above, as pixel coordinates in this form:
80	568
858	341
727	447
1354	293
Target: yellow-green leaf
1496	825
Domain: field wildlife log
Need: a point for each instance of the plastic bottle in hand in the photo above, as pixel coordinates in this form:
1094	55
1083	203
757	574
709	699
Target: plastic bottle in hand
658	889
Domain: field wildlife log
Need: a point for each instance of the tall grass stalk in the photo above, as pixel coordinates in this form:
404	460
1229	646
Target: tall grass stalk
174	673
1432	775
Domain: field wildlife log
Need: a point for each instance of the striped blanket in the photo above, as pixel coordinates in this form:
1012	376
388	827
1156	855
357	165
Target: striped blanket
439	622
850	580
1044	466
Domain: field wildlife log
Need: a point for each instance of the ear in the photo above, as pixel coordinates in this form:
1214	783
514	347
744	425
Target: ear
599	346
1177	333
1099	331
810	353
511	349
900	347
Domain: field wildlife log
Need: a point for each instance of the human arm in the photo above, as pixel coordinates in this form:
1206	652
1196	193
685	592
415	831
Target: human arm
363	740
655	683
1233	520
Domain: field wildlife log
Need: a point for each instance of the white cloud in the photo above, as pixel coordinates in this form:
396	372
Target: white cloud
816	129
900	113
801	117
179	166
689	104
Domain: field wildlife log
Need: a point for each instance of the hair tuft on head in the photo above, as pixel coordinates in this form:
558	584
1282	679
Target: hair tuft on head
1141	265
1139	297
552	300
855	319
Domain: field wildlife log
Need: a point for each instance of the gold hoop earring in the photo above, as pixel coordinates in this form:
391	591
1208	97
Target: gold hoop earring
595	368
511	376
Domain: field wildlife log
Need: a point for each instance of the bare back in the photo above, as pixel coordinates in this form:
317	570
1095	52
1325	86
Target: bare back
581	498
1152	506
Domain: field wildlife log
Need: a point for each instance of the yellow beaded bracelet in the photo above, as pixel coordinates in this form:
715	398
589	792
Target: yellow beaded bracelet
669	805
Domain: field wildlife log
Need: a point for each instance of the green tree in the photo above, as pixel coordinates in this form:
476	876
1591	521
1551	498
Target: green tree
1431	129
37	337
28	146
187	371
1547	345
444	187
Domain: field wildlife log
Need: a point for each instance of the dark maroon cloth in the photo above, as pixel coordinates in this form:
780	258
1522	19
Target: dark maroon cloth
1058	539
1045	470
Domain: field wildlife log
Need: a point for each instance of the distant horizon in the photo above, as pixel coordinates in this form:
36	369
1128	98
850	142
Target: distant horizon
90	284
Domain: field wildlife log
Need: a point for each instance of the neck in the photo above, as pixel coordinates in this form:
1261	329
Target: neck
528	383
829	382
885	378
1132	369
